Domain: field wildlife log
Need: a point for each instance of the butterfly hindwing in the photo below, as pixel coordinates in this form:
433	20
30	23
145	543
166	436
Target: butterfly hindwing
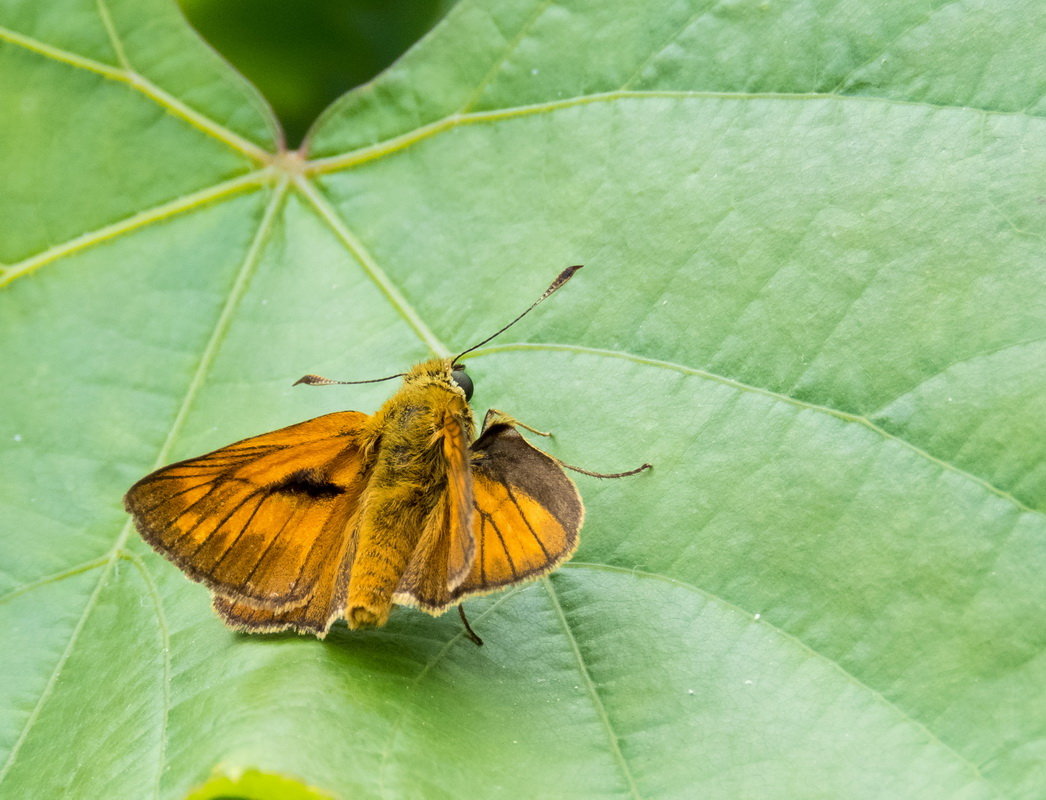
527	512
259	521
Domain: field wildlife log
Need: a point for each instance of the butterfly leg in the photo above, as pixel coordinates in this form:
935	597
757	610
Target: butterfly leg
468	628
495	417
624	474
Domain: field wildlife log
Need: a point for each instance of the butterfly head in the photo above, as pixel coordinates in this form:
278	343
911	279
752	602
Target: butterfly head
444	372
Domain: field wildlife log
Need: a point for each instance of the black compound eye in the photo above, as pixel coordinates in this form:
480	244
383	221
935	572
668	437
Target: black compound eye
462	379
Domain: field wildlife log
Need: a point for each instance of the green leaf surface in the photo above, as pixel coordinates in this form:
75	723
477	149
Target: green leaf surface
814	298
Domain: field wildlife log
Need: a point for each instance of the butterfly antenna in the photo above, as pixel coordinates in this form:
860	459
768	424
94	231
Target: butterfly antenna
319	380
562	278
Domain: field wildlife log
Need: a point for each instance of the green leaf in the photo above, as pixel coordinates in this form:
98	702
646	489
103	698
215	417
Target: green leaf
814	299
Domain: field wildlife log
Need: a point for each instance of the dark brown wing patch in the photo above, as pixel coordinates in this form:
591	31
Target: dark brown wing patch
502	454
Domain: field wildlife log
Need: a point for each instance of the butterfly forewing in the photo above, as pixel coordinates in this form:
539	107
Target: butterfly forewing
444	553
248	520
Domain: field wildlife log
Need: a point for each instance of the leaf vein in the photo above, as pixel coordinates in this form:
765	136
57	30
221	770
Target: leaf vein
165	636
114	38
885	48
144	86
846	416
353	158
835	665
842	315
593	692
510	46
656	52
965	359
396	299
52	680
397	725
79	569
172	208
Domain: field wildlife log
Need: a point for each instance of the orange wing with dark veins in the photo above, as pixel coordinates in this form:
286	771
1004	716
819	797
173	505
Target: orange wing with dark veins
266	523
527	513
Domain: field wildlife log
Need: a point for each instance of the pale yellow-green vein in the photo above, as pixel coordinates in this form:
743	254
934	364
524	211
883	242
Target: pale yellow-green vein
397	725
593	692
510	47
144	86
65	574
329	215
165	640
172	208
781	632
362	155
114	38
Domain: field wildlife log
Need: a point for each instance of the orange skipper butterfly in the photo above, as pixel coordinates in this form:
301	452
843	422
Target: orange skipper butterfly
347	514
